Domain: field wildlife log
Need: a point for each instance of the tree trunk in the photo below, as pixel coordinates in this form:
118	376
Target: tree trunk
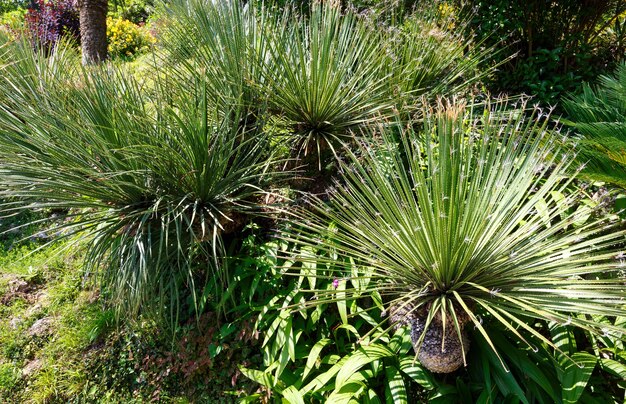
93	30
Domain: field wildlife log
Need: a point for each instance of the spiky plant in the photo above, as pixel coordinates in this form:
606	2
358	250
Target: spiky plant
429	56
599	114
153	184
327	75
447	221
224	42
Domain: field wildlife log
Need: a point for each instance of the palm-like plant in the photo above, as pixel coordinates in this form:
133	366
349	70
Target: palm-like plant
327	75
224	42
599	114
152	183
446	222
324	73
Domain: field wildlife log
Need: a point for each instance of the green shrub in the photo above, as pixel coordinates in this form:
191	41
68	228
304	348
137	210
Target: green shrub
534	374
9	376
8	6
324	352
135	11
13	20
555	45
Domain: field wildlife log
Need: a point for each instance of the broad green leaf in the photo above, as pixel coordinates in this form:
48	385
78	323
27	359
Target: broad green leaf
401	342
506	382
620	203
484	397
253	398
465	395
587	398
562	339
349	327
521	360
314	355
581	215
309	266
613	367
283	360
359	358
324	380
258	376
291	340
367	317
486	369
558	198
576	375
511	399
413	370
348	393
508	386
543	211
561	203
444	394
371	397
276	332
291	395
331	359
395	390
316	314
341	302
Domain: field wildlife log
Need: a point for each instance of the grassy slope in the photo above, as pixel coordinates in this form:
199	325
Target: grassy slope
59	343
46	319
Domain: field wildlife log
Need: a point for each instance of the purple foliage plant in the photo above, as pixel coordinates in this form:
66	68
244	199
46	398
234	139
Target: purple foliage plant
50	20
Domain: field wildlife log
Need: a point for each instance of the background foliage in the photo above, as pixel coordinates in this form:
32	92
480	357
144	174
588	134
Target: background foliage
599	114
556	45
127	39
48	21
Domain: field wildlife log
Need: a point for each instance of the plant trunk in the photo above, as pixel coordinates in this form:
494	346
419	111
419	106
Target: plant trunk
93	30
438	352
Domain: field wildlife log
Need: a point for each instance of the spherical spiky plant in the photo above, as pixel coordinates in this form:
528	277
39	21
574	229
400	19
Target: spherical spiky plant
154	181
458	224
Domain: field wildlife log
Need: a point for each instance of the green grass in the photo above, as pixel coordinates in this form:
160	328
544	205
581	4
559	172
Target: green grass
41	286
86	356
42	283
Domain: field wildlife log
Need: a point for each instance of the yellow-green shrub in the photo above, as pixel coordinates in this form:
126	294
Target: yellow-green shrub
126	39
12	21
